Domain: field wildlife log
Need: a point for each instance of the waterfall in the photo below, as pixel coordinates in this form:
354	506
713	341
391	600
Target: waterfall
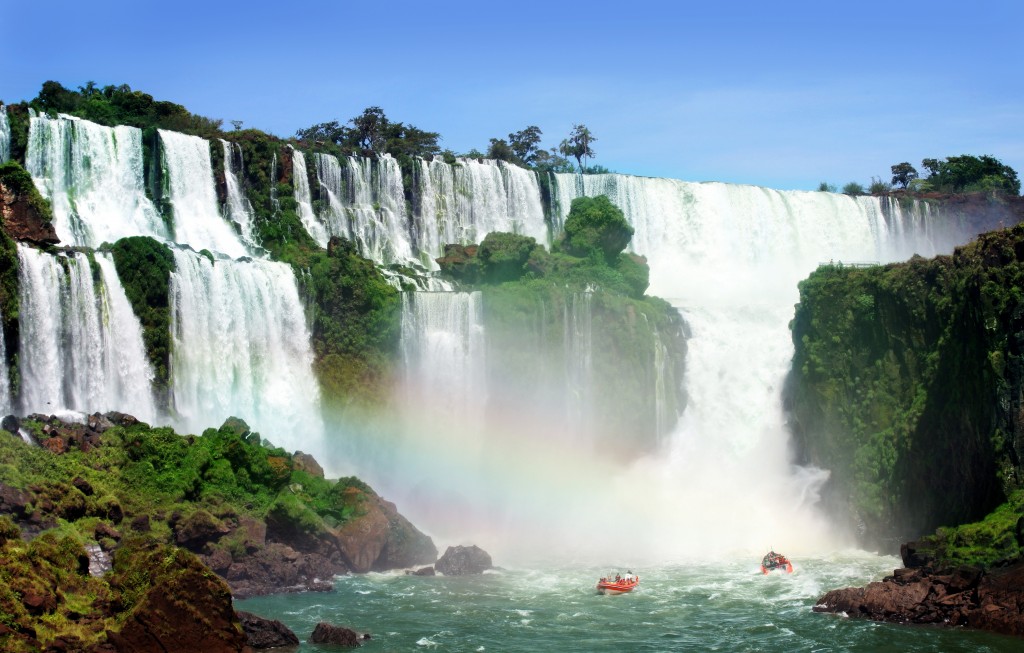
579	361
5	135
462	203
300	180
729	258
81	345
241	348
92	176
238	208
5	377
193	196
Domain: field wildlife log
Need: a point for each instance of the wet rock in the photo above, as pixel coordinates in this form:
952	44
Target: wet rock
10	424
422	571
325	633
303	462
140	524
266	633
463	560
382	539
199	528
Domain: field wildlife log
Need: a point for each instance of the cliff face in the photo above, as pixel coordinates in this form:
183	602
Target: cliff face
907	385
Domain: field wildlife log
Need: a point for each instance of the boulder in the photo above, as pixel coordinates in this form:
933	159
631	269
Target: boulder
194	531
463	560
303	462
266	633
382	539
422	571
22	218
325	633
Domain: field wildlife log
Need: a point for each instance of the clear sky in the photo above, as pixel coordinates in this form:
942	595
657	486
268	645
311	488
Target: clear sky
779	94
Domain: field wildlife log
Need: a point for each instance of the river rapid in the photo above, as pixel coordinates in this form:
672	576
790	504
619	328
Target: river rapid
703	606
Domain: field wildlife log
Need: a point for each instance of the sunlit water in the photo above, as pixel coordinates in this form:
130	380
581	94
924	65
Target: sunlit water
726	606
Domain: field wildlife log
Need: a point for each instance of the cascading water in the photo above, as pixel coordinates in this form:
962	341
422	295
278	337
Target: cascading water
729	258
303	199
238	209
241	348
92	176
5	377
81	345
462	203
5	135
193	196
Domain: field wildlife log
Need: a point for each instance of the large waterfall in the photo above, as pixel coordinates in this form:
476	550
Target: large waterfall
5	135
5	379
241	348
462	203
193	196
303	198
92	176
81	345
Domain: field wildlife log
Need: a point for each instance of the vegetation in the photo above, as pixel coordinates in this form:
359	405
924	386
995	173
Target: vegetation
903	383
595	227
903	174
144	267
853	189
967	173
578	145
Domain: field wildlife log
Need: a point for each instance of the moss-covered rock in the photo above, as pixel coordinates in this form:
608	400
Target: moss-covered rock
907	385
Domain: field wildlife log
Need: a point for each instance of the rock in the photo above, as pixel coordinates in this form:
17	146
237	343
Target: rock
22	220
265	633
14	501
83	486
194	531
186	608
965	596
422	571
10	424
463	560
303	462
325	633
277	569
382	539
140	524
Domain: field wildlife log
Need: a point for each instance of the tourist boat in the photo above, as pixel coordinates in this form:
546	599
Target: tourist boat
618	585
776	561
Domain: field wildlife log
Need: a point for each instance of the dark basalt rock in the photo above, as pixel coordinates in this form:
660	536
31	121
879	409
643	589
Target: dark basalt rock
325	633
422	571
266	633
965	596
463	560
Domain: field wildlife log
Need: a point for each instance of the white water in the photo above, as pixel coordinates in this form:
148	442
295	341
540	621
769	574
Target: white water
193	197
81	345
238	208
241	348
92	176
462	203
5	135
5	379
300	181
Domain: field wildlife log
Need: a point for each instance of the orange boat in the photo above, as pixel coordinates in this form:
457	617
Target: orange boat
619	584
773	561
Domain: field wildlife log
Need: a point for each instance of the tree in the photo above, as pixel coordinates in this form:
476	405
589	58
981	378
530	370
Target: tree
966	173
578	145
525	143
499	149
826	187
903	174
853	188
595	226
370	127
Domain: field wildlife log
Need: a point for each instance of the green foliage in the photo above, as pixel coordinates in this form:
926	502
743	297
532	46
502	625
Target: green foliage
19	182
120	105
499	149
902	382
985	543
504	256
853	188
373	132
525	143
596	226
144	267
967	173
355	322
878	187
826	187
578	145
903	174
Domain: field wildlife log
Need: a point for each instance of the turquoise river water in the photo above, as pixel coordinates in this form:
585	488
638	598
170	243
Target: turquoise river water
715	606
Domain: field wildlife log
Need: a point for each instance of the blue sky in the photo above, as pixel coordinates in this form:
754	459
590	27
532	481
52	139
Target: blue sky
784	94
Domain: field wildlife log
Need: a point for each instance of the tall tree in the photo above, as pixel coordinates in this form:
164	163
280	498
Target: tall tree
971	173
578	145
370	129
903	174
525	143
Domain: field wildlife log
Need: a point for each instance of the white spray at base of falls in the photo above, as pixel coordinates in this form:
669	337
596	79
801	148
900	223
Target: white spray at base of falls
193	196
5	135
81	345
92	176
241	348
